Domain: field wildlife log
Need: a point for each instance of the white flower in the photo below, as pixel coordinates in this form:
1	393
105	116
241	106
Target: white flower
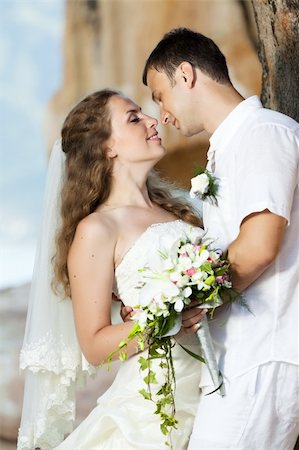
156	287
187	248
199	185
200	259
195	235
182	281
187	292
169	246
201	285
179	305
159	263
185	263
199	276
178	277
140	316
157	306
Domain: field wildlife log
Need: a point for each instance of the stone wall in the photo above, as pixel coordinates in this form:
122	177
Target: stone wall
107	42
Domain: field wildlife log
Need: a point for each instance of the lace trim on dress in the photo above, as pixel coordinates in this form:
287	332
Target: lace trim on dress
42	355
58	379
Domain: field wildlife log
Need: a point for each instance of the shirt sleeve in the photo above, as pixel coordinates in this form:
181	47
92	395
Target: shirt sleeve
267	171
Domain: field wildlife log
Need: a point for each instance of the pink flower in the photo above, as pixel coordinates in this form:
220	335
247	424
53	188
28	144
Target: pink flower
222	278
191	271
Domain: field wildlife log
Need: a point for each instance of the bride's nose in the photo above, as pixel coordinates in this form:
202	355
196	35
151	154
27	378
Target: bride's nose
152	122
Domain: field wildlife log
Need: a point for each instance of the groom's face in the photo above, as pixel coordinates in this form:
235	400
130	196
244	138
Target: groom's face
173	101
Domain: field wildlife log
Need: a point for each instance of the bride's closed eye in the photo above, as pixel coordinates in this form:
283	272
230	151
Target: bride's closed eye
135	119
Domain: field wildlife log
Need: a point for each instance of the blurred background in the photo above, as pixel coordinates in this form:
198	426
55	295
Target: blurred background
52	53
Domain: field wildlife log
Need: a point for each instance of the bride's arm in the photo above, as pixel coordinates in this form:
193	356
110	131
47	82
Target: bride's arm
91	273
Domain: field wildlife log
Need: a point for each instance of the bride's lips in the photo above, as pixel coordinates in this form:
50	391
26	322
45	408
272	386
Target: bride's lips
154	137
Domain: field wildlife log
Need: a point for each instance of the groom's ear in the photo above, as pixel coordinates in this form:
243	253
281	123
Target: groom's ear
187	74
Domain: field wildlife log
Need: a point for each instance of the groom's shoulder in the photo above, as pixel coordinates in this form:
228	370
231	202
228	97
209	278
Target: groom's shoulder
269	117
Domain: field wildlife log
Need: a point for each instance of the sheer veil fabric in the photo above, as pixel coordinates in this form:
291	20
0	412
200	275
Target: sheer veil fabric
50	356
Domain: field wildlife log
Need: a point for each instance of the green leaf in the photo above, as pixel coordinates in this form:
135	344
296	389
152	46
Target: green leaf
122	344
151	378
207	267
198	170
221	271
123	356
194	355
210	280
135	331
144	363
145	394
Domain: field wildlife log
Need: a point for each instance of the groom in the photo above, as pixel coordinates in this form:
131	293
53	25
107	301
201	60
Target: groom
254	153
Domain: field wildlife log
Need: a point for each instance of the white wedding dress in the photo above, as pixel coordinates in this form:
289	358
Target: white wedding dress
123	419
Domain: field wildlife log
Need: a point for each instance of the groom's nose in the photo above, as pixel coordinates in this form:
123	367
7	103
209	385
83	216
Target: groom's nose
165	117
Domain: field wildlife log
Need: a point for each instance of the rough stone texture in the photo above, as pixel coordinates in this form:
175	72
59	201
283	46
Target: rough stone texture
278	30
107	42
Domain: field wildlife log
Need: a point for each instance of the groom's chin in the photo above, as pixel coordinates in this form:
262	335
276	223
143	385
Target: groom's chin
190	133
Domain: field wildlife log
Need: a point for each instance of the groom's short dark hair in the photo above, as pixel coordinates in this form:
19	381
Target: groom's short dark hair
183	44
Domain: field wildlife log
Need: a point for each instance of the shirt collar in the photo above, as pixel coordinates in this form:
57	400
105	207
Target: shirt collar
231	123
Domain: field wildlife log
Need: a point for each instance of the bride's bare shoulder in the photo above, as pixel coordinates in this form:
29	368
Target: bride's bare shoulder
98	226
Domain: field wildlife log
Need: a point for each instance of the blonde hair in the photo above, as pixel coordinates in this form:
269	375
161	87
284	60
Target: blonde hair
88	178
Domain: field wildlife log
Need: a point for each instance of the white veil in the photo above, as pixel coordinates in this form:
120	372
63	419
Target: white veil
50	355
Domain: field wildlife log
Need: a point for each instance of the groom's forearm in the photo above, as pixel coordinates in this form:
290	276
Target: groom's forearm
255	248
245	269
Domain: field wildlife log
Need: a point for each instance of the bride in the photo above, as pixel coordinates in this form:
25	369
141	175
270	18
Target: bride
114	211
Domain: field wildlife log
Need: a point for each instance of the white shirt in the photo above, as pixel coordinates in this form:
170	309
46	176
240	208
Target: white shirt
255	156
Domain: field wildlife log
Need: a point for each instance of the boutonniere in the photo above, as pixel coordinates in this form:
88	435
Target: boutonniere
204	185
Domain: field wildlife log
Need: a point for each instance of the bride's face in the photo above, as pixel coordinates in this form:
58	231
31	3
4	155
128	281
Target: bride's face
134	137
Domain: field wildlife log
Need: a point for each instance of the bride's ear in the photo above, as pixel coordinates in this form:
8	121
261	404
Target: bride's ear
111	153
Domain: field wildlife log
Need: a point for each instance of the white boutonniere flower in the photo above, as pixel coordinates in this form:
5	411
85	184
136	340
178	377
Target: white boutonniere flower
204	186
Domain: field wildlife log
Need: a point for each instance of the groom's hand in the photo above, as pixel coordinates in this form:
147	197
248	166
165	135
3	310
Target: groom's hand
191	316
126	313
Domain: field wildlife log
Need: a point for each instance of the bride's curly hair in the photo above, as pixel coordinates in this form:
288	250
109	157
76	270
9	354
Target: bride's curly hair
88	178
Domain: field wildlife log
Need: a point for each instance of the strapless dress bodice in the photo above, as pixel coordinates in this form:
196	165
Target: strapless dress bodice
127	276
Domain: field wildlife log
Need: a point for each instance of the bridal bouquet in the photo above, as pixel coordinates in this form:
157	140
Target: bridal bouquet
181	271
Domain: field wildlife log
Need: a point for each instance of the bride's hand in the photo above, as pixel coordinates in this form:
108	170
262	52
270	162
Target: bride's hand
191	316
